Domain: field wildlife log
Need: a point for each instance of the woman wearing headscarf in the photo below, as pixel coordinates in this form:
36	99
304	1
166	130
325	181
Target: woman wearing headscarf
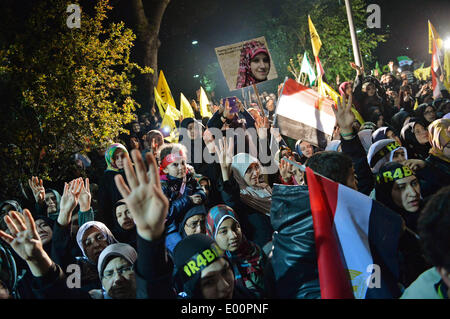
426	113
108	194
124	229
92	238
385	132
398	188
398	120
254	64
435	170
247	258
414	136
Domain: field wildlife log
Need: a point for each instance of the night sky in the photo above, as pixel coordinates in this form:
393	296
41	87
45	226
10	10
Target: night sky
215	24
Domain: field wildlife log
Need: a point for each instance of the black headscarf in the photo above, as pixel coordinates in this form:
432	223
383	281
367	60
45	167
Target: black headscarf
398	120
409	140
419	112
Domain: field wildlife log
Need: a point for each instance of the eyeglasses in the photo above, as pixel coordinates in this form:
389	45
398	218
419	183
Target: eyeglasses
195	224
121	271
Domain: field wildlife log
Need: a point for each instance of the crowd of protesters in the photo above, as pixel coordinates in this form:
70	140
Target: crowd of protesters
151	220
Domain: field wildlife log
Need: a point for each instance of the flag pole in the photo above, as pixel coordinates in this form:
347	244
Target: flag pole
355	44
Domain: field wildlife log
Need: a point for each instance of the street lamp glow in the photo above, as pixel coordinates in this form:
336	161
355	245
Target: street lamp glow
195	42
196	76
447	43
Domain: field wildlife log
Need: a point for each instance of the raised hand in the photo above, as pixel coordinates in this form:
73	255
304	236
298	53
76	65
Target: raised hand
25	241
286	170
359	69
143	195
85	196
344	115
227	109
224	152
262	124
69	200
37	186
414	164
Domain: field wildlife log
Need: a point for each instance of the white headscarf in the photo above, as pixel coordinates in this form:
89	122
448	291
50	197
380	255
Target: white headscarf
259	196
98	225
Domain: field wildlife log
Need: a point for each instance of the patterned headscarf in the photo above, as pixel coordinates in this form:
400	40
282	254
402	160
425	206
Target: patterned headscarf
248	52
439	137
109	156
248	259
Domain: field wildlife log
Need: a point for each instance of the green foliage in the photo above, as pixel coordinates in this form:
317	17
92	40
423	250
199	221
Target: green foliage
63	90
288	36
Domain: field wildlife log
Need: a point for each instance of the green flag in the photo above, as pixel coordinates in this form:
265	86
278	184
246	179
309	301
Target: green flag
306	68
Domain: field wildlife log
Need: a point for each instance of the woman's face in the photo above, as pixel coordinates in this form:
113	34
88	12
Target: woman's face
229	235
429	114
118	158
217	280
124	218
252	174
260	66
44	230
306	149
93	243
421	134
399	156
406	193
370	90
391	135
195	225
380	122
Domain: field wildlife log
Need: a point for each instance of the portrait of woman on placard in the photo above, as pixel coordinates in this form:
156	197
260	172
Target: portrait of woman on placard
254	64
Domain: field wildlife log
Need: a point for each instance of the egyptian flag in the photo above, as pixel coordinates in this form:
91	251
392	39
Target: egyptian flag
303	113
436	70
356	242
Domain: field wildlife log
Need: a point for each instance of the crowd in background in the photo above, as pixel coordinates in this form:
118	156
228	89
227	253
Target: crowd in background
142	219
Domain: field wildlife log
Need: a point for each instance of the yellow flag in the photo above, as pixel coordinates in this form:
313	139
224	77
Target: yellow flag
186	108
447	69
204	109
159	102
416	105
326	90
423	73
315	39
168	125
164	91
173	112
432	34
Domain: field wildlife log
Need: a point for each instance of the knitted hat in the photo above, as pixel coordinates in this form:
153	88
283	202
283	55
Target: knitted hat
191	255
381	152
115	250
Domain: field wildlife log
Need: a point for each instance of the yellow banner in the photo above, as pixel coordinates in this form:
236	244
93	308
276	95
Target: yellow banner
315	39
168	125
159	102
164	91
173	112
204	102
326	90
186	108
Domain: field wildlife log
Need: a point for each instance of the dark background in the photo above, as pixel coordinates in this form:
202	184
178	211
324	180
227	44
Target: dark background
216	23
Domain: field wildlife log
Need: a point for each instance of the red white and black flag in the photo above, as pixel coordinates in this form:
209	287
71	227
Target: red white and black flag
303	113
356	242
436	70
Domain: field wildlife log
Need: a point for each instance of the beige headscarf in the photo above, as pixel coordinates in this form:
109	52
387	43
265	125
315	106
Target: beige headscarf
258	197
439	136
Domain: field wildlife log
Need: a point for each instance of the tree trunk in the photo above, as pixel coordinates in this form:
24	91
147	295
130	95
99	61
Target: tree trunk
146	23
